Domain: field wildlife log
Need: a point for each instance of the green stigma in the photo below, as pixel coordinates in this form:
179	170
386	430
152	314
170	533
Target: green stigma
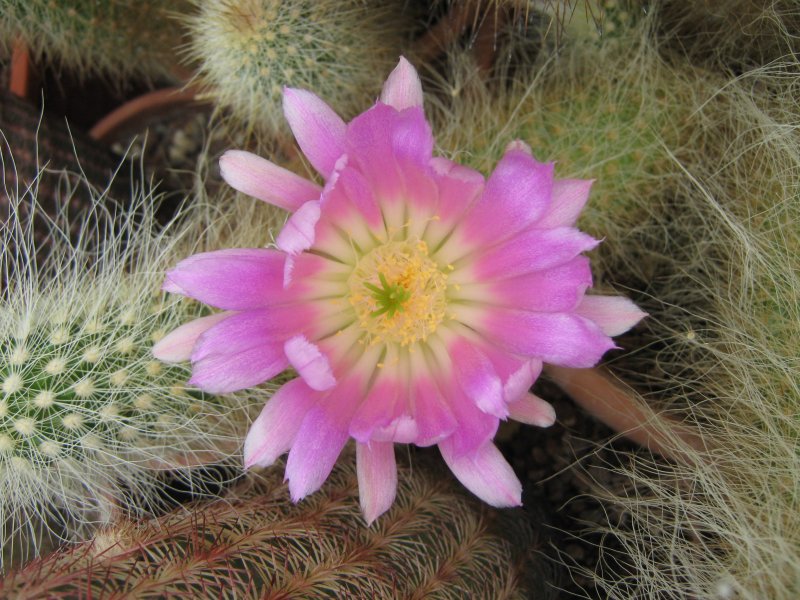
390	298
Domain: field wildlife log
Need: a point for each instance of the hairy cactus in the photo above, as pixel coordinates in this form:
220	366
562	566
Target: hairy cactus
600	111
89	421
435	542
248	50
113	39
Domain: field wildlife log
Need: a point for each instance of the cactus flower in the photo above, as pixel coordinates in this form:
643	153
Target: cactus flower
415	299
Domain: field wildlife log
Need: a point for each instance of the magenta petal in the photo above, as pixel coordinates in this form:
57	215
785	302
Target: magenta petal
317	128
520	381
234	279
569	198
177	345
532	410
258	177
558	289
486	474
478	378
298	233
533	250
320	440
241	351
274	431
517	194
563	339
613	314
310	363
377	478
402	89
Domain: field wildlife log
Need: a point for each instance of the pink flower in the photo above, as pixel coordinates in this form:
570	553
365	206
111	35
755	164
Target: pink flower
415	299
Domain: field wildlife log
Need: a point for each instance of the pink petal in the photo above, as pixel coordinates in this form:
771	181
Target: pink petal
434	420
532	410
378	410
258	177
517	194
569	198
320	440
486	474
613	314
402	89
533	250
475	427
382	138
274	431
377	478
298	233
516	373
317	128
478	378
243	350
520	381
560	338
558	289
177	345
234	279
310	363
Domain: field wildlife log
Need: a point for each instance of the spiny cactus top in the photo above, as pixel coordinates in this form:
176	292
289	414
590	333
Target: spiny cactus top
416	300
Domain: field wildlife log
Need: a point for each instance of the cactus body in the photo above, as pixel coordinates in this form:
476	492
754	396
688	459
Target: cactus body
89	420
248	50
435	542
108	38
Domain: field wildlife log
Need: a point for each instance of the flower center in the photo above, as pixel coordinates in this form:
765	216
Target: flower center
398	293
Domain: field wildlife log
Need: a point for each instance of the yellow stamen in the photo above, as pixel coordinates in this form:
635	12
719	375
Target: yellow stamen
398	293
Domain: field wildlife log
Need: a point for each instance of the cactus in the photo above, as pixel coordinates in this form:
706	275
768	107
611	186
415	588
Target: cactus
89	421
108	38
599	111
248	50
435	542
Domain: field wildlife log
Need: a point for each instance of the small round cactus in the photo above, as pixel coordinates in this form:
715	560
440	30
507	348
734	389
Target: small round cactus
89	420
112	39
435	542
248	50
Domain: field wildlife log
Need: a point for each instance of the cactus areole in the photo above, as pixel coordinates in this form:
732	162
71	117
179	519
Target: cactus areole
416	299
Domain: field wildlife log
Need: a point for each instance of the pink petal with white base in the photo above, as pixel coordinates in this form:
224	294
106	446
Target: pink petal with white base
243	350
532	250
177	345
274	431
557	289
560	338
298	233
569	198
613	314
317	128
320	440
310	363
235	279
478	378
377	478
262	179
532	410
517	193
402	88
434	419
486	474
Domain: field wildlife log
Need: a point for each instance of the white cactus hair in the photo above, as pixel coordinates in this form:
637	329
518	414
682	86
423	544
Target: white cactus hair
90	422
